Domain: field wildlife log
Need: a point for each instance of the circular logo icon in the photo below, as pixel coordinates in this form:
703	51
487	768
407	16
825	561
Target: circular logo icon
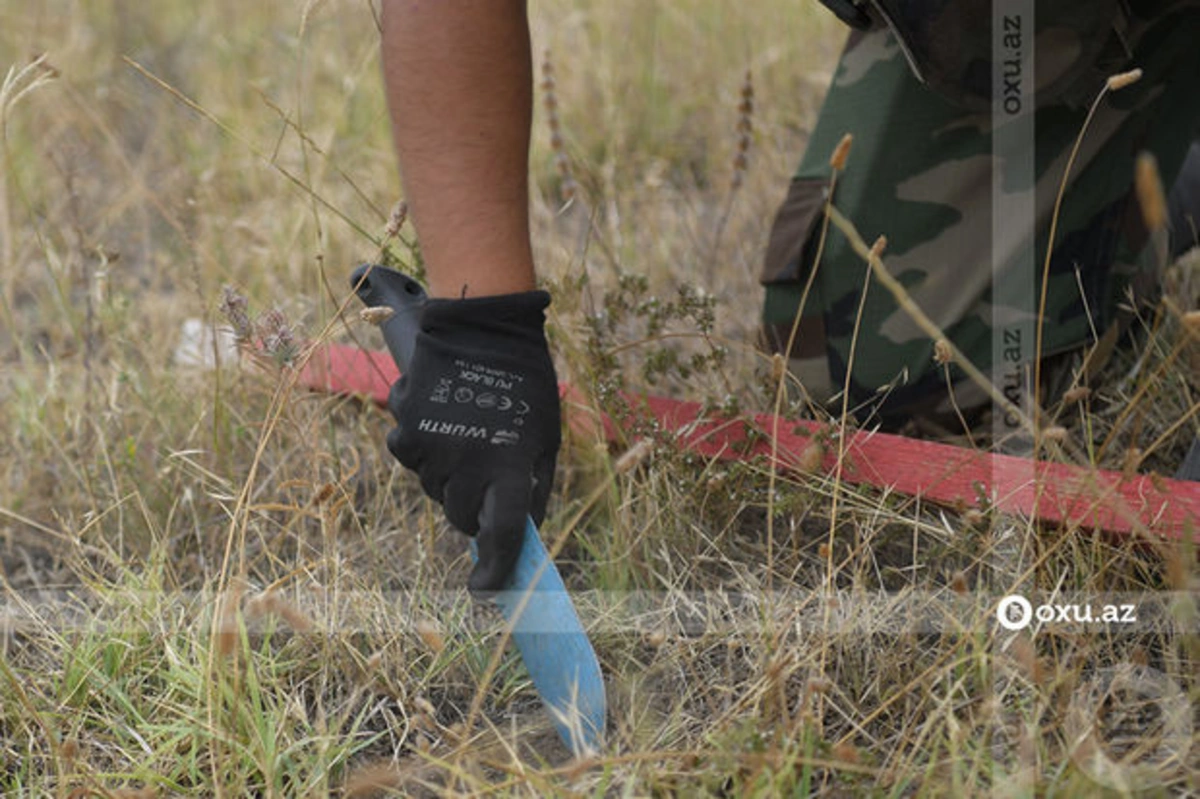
1014	612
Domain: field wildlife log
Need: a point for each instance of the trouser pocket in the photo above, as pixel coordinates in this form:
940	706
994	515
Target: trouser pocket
793	319
792	245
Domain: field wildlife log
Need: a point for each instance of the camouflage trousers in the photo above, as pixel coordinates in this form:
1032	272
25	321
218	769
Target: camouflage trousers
920	172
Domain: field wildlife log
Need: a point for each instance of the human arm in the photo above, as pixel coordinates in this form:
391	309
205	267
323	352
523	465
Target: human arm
458	77
477	412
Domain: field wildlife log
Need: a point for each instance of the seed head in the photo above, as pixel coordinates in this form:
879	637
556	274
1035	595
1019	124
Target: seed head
278	337
958	583
567	186
818	685
745	127
974	517
373	779
376	315
295	618
633	456
424	706
69	751
1149	188
1123	79
396	219
234	308
841	153
845	752
1056	433
778	367
1132	460
323	494
1076	394
1023	653
227	618
943	353
811	458
431	635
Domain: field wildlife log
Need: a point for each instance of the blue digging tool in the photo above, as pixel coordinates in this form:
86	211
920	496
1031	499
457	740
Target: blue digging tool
545	626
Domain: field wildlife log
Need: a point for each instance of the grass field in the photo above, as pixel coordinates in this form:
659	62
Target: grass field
215	583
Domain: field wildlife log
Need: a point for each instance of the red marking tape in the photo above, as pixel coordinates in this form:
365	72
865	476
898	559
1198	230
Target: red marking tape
1093	499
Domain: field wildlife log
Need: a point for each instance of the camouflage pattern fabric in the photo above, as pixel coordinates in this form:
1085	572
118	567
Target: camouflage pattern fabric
920	172
948	44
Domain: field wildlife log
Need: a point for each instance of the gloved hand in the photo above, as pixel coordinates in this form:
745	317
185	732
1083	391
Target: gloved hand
477	418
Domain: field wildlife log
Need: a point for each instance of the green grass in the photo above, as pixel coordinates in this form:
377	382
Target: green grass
217	584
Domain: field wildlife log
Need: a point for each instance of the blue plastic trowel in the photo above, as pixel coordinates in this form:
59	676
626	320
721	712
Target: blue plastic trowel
545	626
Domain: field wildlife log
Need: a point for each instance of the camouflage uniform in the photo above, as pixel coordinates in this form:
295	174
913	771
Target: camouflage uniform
920	172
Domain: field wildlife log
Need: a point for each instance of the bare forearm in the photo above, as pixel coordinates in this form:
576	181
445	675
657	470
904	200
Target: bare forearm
459	87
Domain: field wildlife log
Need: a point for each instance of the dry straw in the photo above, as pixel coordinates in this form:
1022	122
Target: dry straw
837	162
1114	83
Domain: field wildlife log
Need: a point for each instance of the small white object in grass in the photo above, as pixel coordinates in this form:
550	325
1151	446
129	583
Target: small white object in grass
633	456
1056	433
376	315
196	345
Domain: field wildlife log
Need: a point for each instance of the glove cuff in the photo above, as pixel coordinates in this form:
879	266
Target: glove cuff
521	315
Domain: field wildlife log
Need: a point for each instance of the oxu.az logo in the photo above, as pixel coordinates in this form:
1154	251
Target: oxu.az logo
1015	612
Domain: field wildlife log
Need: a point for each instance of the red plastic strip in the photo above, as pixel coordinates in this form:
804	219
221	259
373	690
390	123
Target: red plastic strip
1093	499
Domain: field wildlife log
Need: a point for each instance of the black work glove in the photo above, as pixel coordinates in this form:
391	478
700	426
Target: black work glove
477	418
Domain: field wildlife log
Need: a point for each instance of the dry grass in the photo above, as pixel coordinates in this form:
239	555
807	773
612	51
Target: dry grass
216	584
